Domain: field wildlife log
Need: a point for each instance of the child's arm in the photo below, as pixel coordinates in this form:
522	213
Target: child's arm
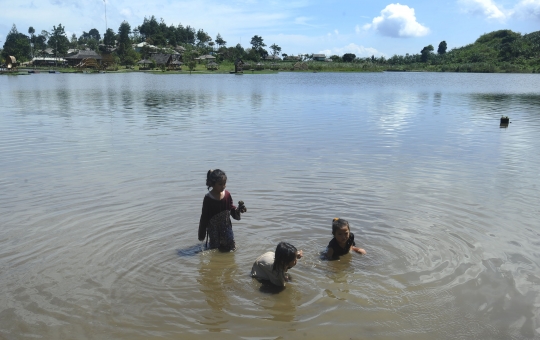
359	250
329	253
203	223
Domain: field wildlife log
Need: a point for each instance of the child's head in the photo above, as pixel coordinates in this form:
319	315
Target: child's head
285	257
340	229
215	176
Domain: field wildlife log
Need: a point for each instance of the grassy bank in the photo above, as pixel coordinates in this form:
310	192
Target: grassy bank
314	66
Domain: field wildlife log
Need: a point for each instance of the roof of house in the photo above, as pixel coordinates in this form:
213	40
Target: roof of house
319	56
47	59
160	58
144	43
85	54
272	57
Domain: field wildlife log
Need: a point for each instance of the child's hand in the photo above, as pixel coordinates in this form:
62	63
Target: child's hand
299	254
241	207
359	250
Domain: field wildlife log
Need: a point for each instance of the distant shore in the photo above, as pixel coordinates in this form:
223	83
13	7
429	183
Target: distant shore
272	68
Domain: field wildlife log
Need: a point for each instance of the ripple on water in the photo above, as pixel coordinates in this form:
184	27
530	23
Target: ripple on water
102	181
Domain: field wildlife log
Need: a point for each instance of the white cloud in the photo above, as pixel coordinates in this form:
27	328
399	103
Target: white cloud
359	51
398	21
487	8
527	9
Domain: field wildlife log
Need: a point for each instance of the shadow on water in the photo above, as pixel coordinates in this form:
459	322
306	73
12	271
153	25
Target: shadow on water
191	250
268	287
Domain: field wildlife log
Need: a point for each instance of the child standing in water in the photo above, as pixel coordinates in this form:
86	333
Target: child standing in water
217	209
274	266
343	240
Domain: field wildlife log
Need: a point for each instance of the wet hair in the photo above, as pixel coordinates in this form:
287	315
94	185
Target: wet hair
285	253
214	176
338	223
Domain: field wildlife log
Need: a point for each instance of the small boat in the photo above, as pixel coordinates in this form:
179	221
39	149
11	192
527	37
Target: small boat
52	71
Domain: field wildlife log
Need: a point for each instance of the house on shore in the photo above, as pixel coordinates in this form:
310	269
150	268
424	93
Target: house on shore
292	58
48	61
168	60
272	58
208	58
139	46
76	59
319	57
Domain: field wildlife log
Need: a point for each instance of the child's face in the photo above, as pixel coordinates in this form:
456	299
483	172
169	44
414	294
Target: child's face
342	235
220	186
292	263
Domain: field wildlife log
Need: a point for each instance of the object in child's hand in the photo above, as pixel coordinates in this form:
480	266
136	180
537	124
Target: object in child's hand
241	206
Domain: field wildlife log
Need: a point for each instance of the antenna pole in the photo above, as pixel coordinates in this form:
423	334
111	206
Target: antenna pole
105	15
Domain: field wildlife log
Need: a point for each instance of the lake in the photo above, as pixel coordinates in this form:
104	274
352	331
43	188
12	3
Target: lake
102	178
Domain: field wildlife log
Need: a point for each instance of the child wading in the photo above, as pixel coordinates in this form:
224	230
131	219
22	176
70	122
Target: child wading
343	240
217	209
274	266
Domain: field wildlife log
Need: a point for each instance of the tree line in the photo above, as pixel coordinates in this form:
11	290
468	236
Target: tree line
166	37
490	52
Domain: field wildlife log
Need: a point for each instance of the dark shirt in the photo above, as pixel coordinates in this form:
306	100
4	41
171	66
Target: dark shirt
338	251
212	207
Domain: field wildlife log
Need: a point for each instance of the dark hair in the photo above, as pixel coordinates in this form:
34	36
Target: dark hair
338	223
285	253
214	176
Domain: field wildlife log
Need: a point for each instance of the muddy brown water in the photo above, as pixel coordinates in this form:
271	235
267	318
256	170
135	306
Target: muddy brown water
102	177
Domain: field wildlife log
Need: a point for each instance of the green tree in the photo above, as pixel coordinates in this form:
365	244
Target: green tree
109	38
31	31
189	60
94	34
40	43
257	42
219	41
17	45
58	40
202	38
349	57
149	28
125	51
426	53
73	43
442	47
276	50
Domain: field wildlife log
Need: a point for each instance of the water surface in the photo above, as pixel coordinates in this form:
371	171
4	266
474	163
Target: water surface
102	180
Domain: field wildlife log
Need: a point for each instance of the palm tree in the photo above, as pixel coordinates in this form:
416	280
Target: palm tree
31	31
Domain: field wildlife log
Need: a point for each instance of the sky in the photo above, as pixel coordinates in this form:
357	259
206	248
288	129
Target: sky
362	27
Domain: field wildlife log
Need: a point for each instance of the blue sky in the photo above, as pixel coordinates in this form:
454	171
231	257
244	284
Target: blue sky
361	27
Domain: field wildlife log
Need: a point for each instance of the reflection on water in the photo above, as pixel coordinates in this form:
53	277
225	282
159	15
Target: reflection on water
102	179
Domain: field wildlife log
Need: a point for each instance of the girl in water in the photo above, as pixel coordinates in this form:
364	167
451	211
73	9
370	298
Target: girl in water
217	209
343	240
274	266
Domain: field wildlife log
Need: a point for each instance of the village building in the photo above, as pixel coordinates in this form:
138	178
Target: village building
272	57
139	46
168	60
207	58
76	59
319	57
292	58
48	61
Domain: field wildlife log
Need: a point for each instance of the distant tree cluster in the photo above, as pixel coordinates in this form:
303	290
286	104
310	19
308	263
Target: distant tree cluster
494	48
